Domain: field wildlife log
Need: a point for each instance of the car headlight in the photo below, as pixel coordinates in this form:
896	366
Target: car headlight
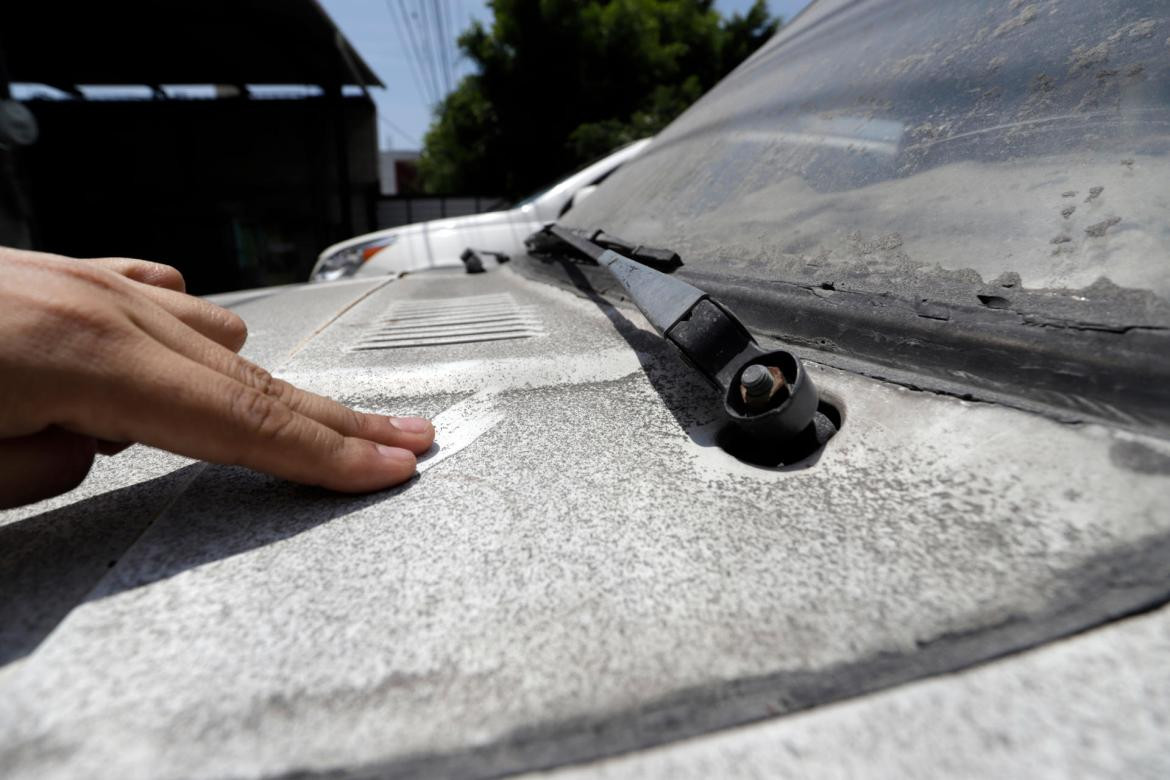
345	262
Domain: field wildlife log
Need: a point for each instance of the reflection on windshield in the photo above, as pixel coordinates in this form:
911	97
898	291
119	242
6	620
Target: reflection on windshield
890	142
540	193
881	136
532	197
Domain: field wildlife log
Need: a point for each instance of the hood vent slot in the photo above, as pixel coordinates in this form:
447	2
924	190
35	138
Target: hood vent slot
442	321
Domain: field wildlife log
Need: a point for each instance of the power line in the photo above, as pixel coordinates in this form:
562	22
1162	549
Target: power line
412	61
423	24
426	39
425	65
452	24
467	20
426	33
427	44
407	136
440	8
404	46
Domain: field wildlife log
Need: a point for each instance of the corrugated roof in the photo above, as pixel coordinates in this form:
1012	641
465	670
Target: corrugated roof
177	42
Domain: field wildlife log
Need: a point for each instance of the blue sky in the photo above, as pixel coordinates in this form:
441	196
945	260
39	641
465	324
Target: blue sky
403	108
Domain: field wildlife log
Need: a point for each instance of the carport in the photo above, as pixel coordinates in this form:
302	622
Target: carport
238	187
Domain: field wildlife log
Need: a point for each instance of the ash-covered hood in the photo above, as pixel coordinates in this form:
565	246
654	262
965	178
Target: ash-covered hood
578	570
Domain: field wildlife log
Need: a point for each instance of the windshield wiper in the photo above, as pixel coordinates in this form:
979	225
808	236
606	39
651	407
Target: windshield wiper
473	259
666	260
766	394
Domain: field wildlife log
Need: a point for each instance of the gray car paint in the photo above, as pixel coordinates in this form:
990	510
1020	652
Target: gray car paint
582	574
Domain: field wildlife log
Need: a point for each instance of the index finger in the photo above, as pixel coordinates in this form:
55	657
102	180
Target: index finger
144	271
177	404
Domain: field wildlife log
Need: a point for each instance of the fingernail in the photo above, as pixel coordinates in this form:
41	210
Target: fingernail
410	424
395	453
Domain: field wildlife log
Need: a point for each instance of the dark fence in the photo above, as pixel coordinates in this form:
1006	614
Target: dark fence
394	210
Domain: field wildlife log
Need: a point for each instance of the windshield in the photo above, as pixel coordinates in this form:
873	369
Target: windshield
539	193
531	198
913	147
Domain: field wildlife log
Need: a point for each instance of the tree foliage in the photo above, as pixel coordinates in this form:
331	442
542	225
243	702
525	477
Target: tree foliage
562	82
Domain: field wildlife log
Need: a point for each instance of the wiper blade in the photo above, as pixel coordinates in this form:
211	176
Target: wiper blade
662	259
767	394
665	260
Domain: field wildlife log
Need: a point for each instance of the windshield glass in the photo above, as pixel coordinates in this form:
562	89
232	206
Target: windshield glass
531	198
897	146
540	193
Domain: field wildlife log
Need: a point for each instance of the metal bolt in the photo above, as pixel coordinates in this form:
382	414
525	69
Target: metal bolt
757	381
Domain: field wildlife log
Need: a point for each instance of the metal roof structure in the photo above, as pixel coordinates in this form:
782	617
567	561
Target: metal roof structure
178	42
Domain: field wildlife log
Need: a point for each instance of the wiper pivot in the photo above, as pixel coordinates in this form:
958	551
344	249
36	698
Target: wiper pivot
713	341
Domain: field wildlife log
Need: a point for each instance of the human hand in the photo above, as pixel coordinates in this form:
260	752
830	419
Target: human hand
96	354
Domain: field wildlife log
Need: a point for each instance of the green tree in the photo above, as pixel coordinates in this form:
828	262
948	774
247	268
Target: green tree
562	82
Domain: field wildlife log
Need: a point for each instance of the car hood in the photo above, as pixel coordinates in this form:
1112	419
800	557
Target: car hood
577	571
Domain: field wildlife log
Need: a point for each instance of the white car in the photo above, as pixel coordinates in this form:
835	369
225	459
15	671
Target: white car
441	242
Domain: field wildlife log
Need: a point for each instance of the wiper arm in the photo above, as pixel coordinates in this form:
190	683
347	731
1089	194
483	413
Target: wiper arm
767	394
662	259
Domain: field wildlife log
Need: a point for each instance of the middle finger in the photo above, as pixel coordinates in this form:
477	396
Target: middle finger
412	433
215	322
